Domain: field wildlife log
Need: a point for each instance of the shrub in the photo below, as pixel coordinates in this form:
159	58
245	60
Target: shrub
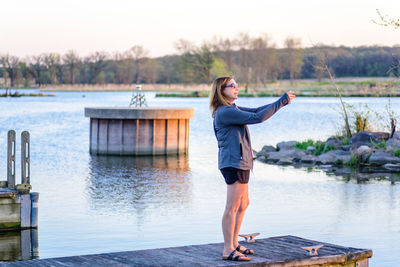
397	153
303	145
319	148
379	145
329	148
352	162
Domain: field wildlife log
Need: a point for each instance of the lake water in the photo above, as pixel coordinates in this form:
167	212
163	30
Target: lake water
91	204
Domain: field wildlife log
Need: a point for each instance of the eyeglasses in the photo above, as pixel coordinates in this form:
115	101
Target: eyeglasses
234	85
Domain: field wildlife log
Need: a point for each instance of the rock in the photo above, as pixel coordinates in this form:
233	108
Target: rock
341	159
286	145
334	157
333	142
285	161
268	148
364	137
381	135
392	144
294	154
381	158
273	157
342	171
363	153
262	158
356	145
308	159
396	135
363	150
327	158
265	150
392	167
310	150
345	147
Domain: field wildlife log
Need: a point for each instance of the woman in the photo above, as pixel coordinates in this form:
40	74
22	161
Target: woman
235	157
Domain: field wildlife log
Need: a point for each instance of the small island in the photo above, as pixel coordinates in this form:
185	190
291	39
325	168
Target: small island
17	94
363	155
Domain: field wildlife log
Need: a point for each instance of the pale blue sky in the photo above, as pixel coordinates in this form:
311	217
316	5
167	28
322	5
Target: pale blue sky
33	27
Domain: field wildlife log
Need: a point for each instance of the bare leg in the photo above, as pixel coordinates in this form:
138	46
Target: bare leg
235	194
244	203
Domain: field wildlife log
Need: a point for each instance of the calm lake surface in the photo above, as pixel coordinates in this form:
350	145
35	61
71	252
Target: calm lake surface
92	204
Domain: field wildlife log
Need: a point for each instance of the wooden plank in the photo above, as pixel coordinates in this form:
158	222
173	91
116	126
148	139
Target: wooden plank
102	137
279	251
172	137
129	134
114	134
145	138
159	141
182	135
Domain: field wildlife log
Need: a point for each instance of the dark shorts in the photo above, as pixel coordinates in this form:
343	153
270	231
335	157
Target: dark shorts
232	175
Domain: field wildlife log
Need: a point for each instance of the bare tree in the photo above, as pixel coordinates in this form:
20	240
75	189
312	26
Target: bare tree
35	67
186	62
263	59
386	21
10	65
96	63
225	50
52	62
71	61
138	54
204	60
293	57
243	42
150	70
127	67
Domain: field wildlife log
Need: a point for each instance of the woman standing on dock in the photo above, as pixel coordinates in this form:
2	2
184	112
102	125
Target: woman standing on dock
235	156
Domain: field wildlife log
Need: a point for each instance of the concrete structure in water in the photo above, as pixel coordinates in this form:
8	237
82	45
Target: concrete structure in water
138	131
18	206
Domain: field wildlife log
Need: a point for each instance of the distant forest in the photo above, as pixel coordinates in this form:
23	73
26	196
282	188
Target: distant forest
251	60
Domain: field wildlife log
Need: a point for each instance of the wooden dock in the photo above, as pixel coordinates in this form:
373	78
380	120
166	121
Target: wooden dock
275	251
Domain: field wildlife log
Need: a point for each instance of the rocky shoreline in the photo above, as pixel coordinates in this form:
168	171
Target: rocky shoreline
364	156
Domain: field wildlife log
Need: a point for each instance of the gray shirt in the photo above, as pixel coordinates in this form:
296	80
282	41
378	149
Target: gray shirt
233	135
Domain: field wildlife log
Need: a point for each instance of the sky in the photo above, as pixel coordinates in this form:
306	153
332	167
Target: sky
85	26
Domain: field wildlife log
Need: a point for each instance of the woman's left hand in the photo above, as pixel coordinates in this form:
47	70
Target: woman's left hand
291	96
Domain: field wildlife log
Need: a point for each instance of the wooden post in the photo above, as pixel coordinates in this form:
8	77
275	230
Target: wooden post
25	160
11	159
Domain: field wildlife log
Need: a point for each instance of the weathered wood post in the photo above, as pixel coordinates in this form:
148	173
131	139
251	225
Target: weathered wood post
11	159
25	161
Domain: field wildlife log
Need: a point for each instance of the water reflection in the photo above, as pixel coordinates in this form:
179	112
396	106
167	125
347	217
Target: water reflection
19	245
135	184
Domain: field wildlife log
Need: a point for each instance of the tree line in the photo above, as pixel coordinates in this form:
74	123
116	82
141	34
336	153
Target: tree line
253	60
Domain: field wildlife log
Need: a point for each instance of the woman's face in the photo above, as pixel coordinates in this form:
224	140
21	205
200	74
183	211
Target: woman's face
231	91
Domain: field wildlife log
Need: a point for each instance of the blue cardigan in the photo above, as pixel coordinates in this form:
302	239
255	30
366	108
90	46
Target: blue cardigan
233	135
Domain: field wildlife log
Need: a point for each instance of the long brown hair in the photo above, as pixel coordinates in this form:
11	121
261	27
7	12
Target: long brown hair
216	97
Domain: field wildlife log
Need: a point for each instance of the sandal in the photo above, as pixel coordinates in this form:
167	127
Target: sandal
237	257
246	251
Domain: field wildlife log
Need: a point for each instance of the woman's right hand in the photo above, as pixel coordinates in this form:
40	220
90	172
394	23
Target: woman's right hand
291	96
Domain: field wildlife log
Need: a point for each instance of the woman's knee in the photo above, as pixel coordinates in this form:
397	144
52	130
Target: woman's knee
243	205
232	208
